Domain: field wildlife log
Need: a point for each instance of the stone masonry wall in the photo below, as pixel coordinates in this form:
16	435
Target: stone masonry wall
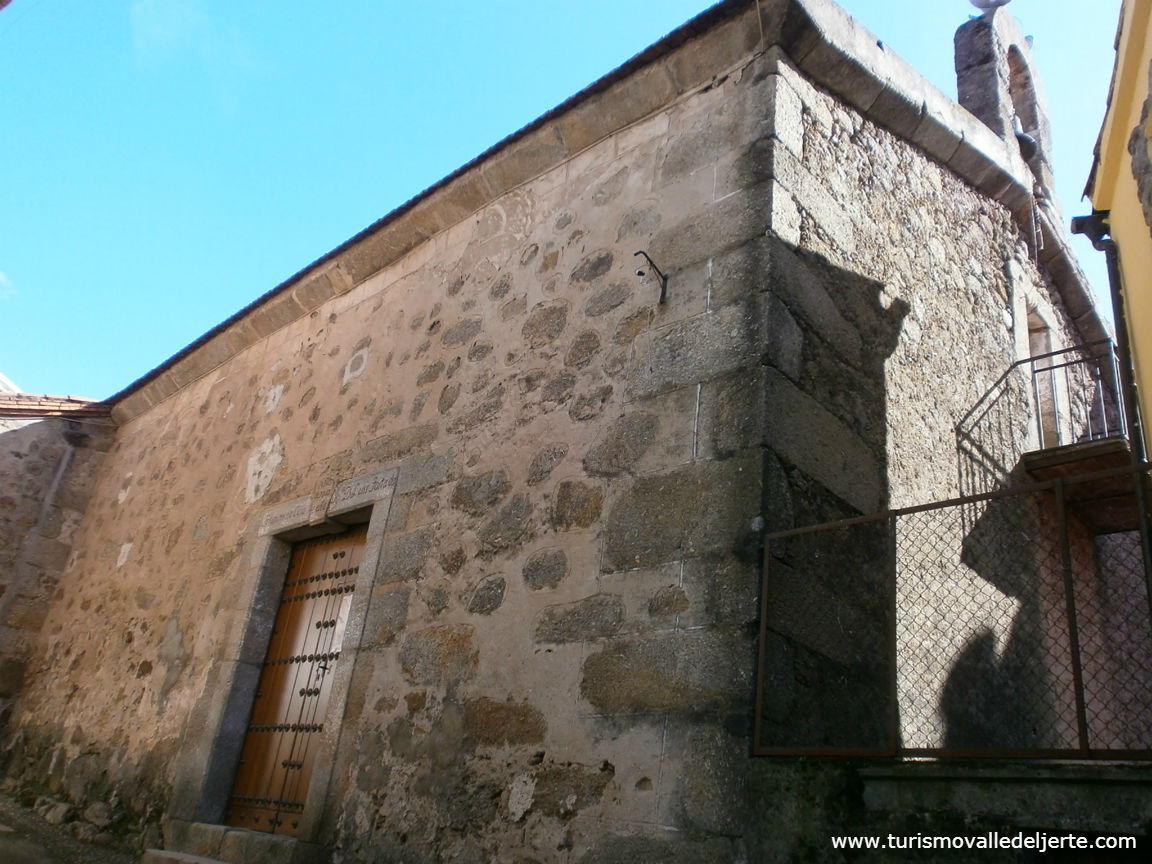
557	661
953	259
47	468
950	282
563	611
906	283
29	455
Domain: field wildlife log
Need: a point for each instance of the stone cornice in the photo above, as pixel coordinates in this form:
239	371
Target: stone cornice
817	36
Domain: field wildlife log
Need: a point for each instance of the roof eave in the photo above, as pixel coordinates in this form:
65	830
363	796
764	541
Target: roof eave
817	36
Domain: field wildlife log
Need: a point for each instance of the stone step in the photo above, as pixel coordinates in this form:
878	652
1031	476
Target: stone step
166	856
205	843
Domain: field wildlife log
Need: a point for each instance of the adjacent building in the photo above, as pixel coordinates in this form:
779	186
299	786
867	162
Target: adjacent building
1120	186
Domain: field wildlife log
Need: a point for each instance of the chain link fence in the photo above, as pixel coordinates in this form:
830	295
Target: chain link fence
994	625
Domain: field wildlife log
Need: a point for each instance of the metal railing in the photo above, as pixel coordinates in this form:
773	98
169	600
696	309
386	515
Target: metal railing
993	625
1054	378
1050	400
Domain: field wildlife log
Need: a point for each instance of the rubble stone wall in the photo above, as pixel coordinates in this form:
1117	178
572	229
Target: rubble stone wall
917	291
562	610
557	659
47	467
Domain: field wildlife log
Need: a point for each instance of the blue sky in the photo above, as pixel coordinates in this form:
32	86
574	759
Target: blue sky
165	162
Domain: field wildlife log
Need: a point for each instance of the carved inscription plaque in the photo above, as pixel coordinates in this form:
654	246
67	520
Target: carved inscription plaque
290	515
366	489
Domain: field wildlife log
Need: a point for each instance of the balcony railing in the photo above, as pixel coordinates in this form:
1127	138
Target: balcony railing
1051	400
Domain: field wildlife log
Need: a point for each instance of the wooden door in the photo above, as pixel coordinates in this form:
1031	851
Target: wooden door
292	697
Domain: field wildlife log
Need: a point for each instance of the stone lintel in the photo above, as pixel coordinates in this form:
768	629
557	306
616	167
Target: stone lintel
363	490
293	514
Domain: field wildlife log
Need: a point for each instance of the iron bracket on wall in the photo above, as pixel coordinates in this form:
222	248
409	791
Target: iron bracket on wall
660	273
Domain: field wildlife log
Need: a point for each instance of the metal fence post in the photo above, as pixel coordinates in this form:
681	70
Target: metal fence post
893	612
1073	626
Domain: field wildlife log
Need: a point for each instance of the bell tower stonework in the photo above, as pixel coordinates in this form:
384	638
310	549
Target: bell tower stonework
996	83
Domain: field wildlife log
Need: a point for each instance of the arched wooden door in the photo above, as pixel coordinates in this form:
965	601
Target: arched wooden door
292	697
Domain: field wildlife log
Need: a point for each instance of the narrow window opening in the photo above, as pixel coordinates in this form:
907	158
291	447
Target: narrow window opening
1044	380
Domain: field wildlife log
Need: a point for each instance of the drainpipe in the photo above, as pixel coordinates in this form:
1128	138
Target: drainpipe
1096	229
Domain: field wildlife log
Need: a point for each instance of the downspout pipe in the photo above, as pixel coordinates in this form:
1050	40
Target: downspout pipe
1096	229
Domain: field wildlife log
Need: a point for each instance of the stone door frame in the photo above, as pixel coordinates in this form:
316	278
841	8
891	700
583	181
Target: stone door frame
216	729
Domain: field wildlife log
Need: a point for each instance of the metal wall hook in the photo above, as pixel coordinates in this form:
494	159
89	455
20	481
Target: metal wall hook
657	271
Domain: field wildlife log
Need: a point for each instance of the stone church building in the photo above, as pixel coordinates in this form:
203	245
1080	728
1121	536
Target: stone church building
676	482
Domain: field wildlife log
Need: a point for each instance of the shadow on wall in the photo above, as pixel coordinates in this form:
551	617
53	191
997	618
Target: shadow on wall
1063	661
989	442
1004	686
826	666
